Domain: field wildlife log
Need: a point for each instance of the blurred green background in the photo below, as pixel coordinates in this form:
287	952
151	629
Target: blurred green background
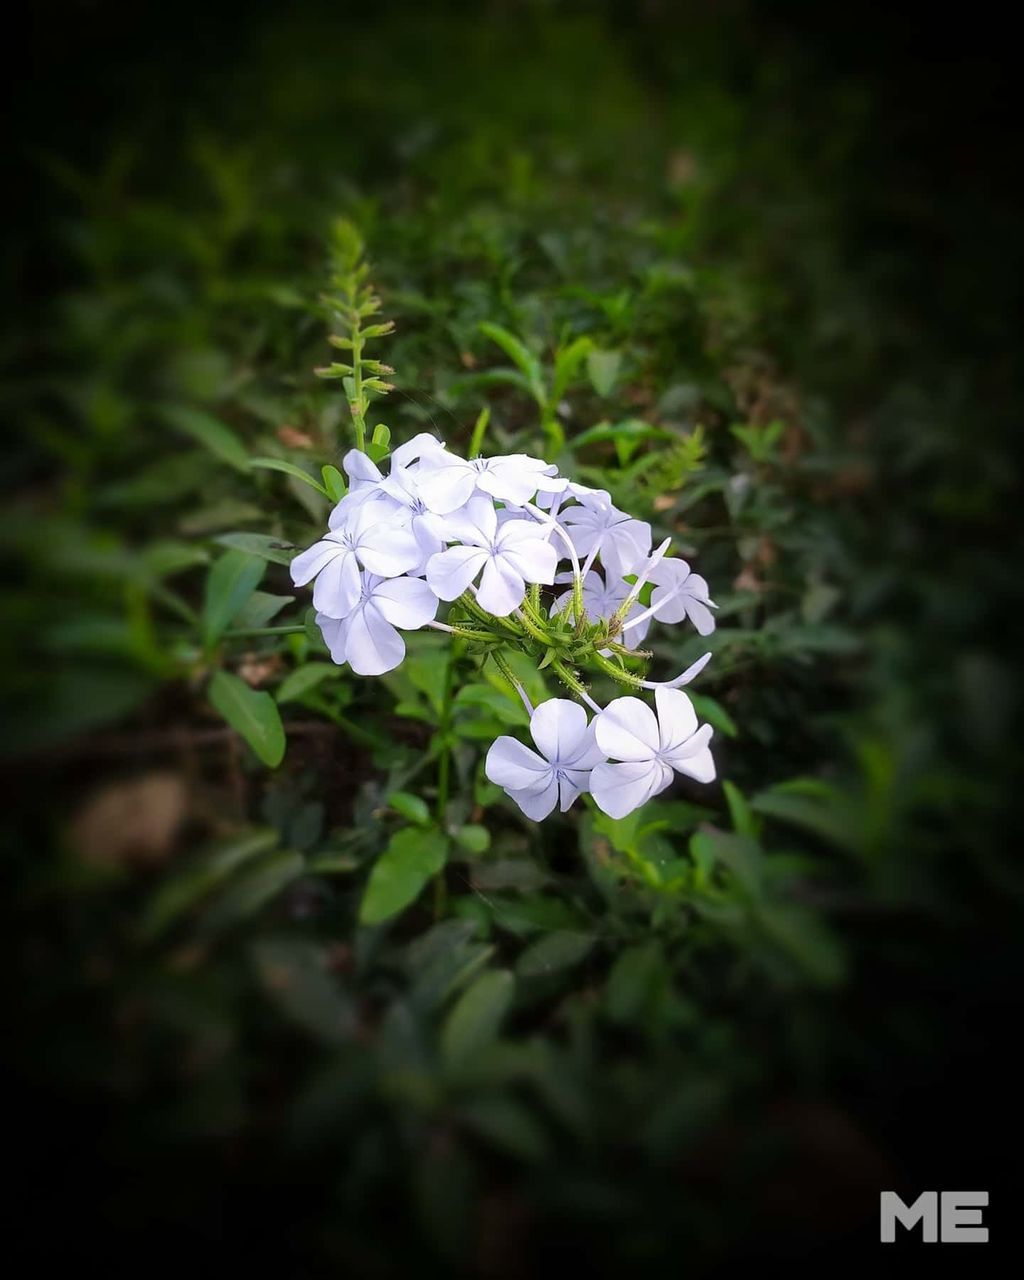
707	1034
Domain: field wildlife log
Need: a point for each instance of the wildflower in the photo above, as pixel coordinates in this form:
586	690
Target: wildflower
562	769
510	557
599	528
364	539
367	638
447	482
680	594
649	750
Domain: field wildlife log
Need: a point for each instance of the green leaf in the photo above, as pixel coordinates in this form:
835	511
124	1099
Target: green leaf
175	896
413	808
260	609
744	822
473	838
299	682
603	370
401	871
209	432
639	982
250	712
507	1125
259	544
559	950
474	1022
334	483
294	975
567	362
256	886
229	584
289	469
520	355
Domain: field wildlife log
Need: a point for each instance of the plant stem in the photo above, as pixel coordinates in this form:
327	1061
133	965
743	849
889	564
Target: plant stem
263	631
444	771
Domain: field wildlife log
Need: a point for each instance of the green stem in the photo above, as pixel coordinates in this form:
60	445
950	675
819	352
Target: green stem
618	673
444	772
262	631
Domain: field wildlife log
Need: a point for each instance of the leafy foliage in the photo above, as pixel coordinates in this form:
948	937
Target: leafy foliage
354	962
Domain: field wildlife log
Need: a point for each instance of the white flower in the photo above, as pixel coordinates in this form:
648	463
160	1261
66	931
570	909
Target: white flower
681	594
568	752
510	557
649	749
379	545
602	598
366	639
447	482
596	526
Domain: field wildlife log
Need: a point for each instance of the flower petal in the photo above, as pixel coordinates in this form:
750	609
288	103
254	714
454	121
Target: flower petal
388	550
333	631
618	789
695	759
450	572
677	720
476	523
405	602
627	730
571	782
338	587
537	804
514	766
445	481
307	564
501	587
625	546
372	644
535	560
420	446
558	727
700	615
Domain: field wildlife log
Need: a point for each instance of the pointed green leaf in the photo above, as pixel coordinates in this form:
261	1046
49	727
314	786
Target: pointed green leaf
476	1019
229	584
209	432
401	871
250	712
289	469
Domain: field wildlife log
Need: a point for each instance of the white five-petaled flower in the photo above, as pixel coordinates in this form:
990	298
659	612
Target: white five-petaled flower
680	594
367	638
596	526
447	482
568	752
510	556
602	597
367	538
648	749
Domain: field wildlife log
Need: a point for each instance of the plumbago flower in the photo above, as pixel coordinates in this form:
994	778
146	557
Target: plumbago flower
485	536
367	638
649	749
562	770
510	556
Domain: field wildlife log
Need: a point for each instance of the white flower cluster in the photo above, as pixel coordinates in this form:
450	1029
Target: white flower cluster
438	527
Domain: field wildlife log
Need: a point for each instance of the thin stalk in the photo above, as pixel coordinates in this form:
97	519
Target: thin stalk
262	631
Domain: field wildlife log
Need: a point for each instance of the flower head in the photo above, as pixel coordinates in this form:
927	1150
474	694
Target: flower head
680	594
448	482
510	556
598	528
648	748
367	638
562	769
367	537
